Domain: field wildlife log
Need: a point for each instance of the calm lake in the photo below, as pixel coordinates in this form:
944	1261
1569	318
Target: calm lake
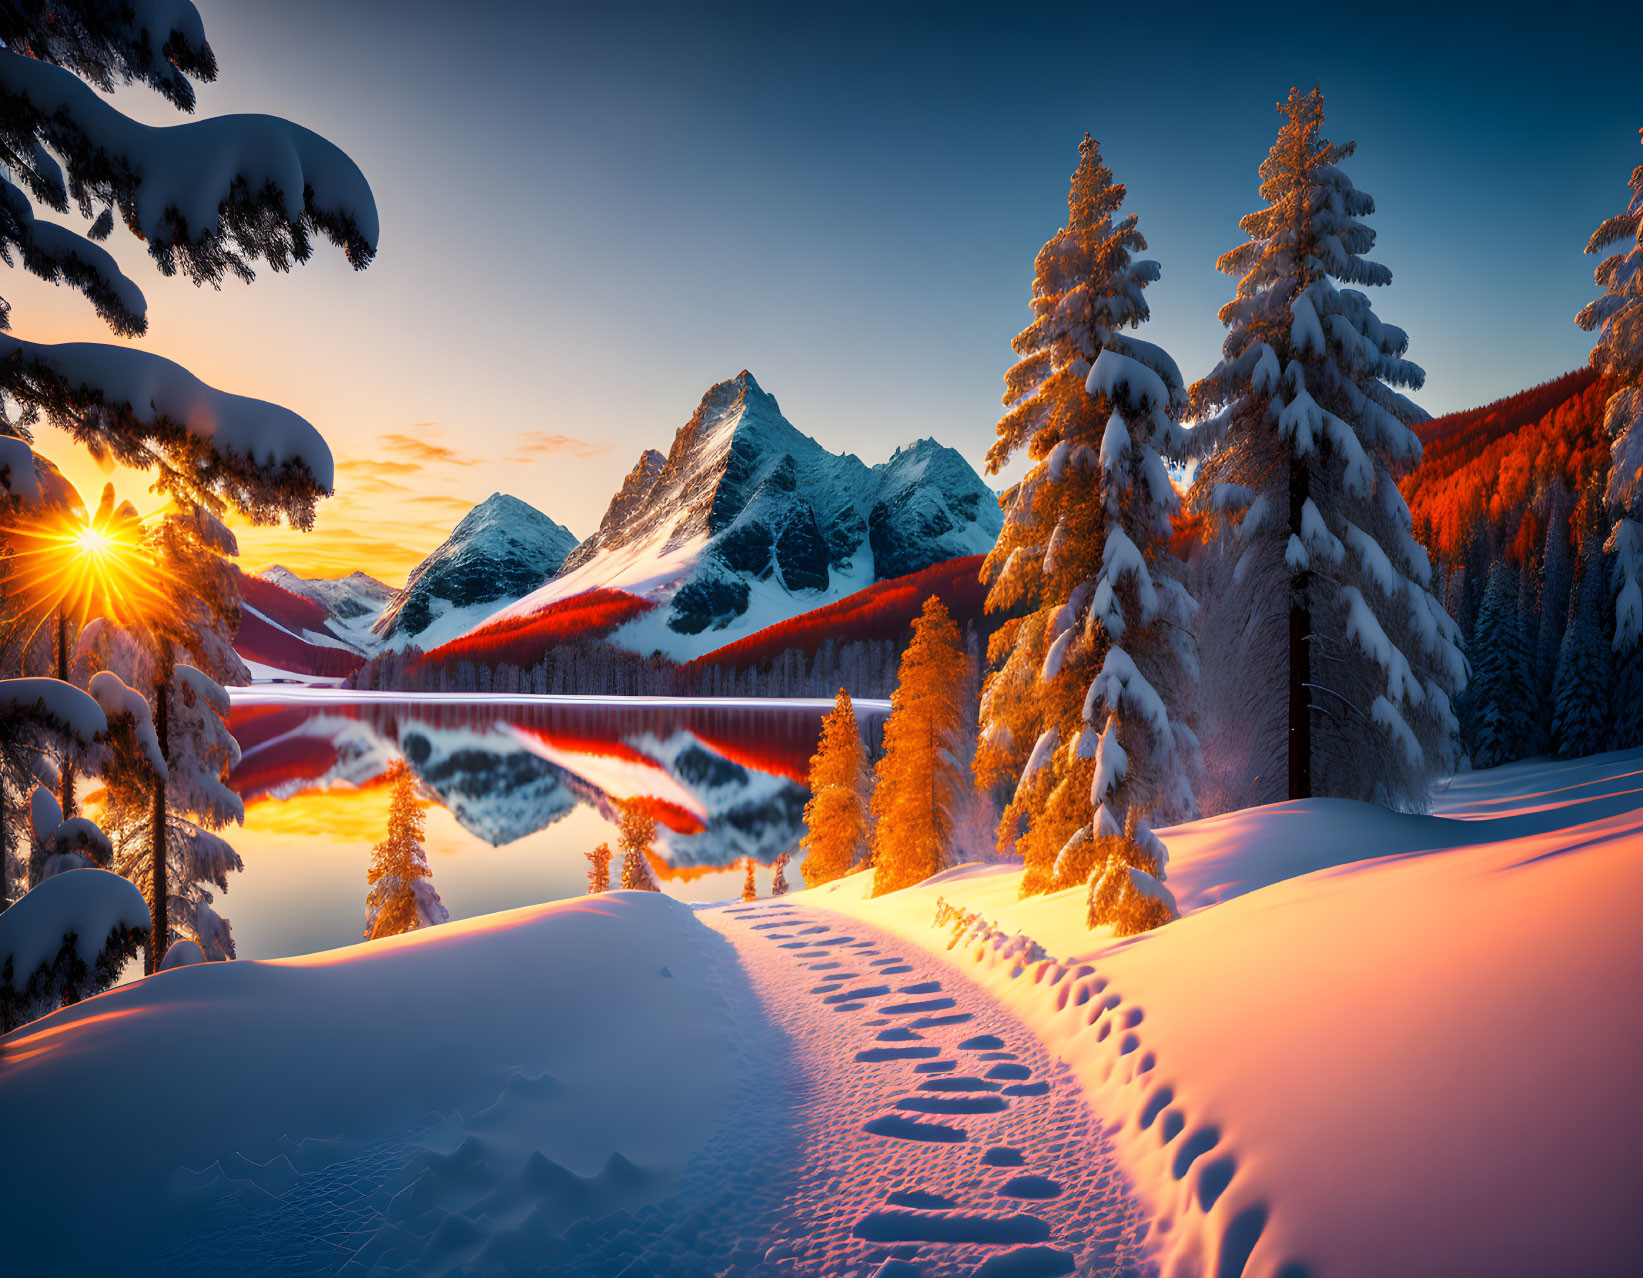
518	788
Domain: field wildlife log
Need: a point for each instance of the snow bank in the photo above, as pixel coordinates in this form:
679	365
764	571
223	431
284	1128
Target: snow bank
1421	1063
564	1058
88	903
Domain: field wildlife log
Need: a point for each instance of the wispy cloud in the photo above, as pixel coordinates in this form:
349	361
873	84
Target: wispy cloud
422	450
367	466
540	443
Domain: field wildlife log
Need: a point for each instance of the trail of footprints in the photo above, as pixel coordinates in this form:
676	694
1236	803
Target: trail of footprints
953	1104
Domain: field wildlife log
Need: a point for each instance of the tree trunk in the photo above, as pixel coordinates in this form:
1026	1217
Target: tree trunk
158	887
66	797
1300	651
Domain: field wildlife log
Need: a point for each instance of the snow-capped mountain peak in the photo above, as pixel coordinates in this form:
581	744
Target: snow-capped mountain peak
502	548
747	520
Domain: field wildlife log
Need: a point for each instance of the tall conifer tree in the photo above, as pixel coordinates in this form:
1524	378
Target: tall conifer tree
1349	663
920	778
1102	648
1585	674
778	877
1617	319
402	896
1500	675
750	888
835	818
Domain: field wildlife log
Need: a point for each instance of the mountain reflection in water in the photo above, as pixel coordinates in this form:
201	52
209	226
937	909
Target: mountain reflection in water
528	784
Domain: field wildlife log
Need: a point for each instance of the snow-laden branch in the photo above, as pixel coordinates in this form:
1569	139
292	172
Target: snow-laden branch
207	196
55	253
145	410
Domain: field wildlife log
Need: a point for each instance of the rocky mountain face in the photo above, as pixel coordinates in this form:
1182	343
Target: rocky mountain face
744	505
501	549
353	603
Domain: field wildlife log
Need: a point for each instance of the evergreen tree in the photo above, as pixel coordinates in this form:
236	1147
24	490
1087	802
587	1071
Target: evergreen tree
598	869
920	778
1617	318
750	889
1556	582
164	820
778	878
635	835
835	818
402	896
1580	690
1103	616
1349	662
1500	675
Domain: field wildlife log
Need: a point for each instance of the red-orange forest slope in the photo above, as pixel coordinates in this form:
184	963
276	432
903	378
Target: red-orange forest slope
1489	467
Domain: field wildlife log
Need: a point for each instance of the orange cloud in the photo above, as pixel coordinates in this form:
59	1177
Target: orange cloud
423	451
540	442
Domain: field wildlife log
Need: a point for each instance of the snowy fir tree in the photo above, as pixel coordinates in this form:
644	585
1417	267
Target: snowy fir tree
636	833
1500	687
1585	674
402	896
750	888
1098	660
836	816
1617	319
778	876
598	869
175	646
1344	663
921	779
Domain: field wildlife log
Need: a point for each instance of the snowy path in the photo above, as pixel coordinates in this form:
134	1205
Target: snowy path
934	1134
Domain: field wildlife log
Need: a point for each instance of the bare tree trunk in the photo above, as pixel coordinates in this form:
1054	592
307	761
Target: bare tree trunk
158	887
66	797
1300	650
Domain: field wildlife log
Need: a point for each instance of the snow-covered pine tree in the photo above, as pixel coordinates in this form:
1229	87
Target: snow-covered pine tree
1349	665
778	877
189	613
1585	675
920	778
1556	580
1102	647
598	869
1617	319
402	896
635	834
1500	674
750	889
835	818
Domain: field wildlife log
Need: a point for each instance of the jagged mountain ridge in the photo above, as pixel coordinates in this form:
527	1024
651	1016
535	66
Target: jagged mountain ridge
747	520
499	550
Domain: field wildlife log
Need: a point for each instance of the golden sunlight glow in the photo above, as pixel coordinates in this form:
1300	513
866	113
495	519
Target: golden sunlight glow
68	564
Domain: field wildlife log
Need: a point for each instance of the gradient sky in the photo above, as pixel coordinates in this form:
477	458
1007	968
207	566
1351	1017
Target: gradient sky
588	218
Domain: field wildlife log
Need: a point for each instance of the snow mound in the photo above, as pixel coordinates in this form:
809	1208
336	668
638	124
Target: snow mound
462	1093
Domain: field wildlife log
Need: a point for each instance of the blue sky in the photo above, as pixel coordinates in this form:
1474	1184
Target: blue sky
588	218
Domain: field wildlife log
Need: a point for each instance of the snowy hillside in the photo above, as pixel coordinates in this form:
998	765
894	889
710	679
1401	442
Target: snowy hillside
747	522
1418	1056
501	549
353	602
1374	1045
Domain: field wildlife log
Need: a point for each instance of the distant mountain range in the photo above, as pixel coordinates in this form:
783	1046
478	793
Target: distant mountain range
744	524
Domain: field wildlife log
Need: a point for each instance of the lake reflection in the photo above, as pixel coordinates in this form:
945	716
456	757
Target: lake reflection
519	789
